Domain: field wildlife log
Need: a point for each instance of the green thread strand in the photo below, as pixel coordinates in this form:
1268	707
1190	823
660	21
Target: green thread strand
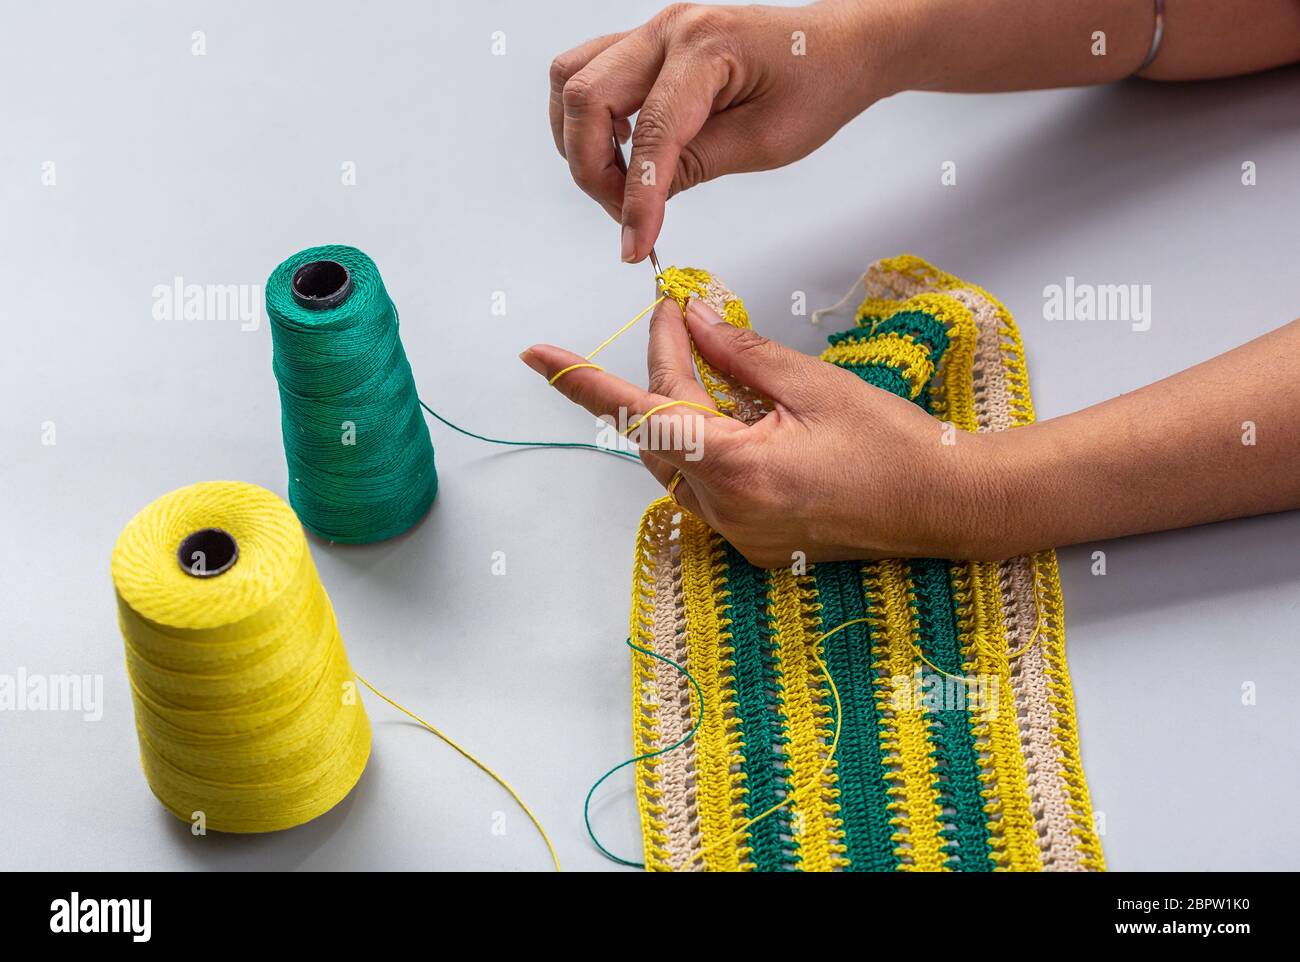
533	444
586	805
361	463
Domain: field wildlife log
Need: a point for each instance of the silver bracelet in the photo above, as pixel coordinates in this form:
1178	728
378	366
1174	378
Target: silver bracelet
1156	37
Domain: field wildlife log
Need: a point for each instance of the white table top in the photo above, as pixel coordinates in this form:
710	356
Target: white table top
213	168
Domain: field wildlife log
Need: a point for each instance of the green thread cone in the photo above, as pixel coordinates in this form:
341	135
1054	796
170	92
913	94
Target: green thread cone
360	459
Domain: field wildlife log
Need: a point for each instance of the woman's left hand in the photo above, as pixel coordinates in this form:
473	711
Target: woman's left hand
839	469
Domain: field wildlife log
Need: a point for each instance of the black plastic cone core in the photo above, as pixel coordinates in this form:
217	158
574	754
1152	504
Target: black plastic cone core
320	285
207	553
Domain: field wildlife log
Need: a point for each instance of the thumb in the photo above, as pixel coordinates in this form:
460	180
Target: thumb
773	370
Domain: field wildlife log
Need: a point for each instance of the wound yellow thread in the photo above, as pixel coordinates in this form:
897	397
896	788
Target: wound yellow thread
246	707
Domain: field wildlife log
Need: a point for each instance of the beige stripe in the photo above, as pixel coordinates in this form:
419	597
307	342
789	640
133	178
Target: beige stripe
676	708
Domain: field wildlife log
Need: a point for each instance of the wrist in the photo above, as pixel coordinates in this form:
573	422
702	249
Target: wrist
876	43
1000	509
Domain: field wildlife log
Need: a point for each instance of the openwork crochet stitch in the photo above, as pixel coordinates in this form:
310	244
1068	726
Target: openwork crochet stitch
946	782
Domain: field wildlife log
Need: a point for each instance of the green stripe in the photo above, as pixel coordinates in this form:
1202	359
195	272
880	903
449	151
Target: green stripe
956	757
883	376
767	781
921	327
859	762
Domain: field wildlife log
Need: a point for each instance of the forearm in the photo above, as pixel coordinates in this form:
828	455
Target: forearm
998	45
1219	440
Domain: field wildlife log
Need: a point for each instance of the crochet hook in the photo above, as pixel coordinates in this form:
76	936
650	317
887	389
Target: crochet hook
621	161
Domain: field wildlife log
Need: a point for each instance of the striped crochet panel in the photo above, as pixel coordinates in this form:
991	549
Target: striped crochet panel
946	783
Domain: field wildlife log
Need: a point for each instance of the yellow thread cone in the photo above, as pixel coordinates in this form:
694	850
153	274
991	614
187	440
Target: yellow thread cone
245	704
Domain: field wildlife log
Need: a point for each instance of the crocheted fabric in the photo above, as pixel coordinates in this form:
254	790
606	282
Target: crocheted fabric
926	776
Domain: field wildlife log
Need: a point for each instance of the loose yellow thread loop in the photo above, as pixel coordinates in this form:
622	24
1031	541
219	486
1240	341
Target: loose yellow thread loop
610	340
668	404
572	367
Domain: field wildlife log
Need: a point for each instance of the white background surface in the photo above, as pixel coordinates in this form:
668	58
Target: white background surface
215	168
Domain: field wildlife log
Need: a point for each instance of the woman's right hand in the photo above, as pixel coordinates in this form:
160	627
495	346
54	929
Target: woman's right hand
719	90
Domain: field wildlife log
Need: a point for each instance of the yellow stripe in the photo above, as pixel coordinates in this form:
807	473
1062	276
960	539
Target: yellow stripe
915	794
910	359
720	791
1004	784
645	712
808	723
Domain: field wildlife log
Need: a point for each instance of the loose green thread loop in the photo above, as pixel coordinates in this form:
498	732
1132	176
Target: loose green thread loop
586	805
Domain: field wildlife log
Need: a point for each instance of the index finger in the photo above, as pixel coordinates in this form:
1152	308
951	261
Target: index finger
608	89
563	68
608	396
676	108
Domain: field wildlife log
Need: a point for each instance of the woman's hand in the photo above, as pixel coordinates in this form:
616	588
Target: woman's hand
723	90
719	90
840	469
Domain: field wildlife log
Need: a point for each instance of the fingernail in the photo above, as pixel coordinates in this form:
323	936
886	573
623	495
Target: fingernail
529	358
629	244
702	312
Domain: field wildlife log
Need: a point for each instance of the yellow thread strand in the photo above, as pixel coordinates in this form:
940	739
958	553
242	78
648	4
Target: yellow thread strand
624	329
615	336
465	753
668	404
605	343
572	367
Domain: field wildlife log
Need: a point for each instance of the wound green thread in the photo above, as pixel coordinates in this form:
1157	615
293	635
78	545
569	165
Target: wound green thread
361	464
